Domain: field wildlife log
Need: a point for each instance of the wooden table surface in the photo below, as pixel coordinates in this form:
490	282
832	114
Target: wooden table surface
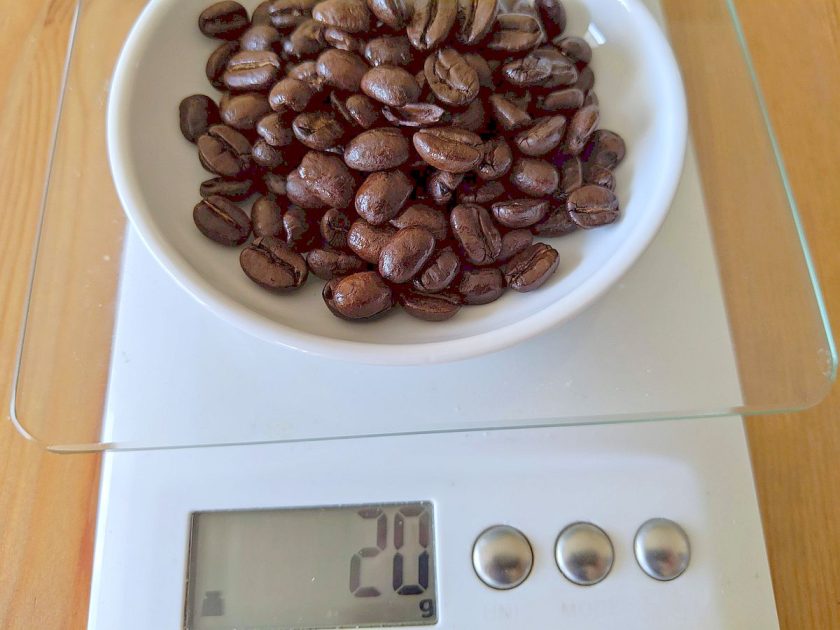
48	502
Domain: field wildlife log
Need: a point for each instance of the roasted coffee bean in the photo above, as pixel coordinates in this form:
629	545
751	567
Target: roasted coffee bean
520	213
342	40
328	177
521	99
565	100
266	155
334	228
244	111
274	132
553	16
586	80
421	215
536	178
390	85
299	193
593	206
450	77
571	176
406	254
341	69
300	234
287	14
481	286
416	115
575	48
583	124
606	148
440	273
474	229
496	159
233	189
507	114
197	114
221	220
274	184
224	151
388	51
600	176
441	186
382	195
261	14
273	265
328	264
482	69
543	67
472	118
532	267
352	16
394	13
361	111
515	32
591	99
556	223
367	241
542	137
224	20
362	295
217	63
449	148
475	19
514	242
290	94
306	40
267	218
377	150
430	308
307	71
260	37
431	22
317	130
471	192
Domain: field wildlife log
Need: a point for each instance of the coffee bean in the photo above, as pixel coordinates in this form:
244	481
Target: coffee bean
473	118
532	267
421	215
390	85
260	37
586	80
307	71
542	137
266	155
329	264
361	111
482	69
285	15
571	176
575	48
581	127
367	241
274	184
388	51
290	94
556	223
450	77
416	115
593	206
224	20
536	178
273	265
430	308
521	99
591	99
470	192
542	67
300	234
233	189
222	221
377	150
359	296
606	148
217	63
474	229
565	100
382	195
224	151
475	19
394	13
328	178
267	218
341	69
507	114
334	228
306	40
197	114
520	213
439	273
244	111
600	176
352	16
299	193
481	286
496	159
449	148
342	40
406	254
514	242
553	16
515	32
317	130
261	14
431	22
441	186
274	131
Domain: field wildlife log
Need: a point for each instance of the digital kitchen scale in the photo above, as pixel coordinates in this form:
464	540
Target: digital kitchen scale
246	486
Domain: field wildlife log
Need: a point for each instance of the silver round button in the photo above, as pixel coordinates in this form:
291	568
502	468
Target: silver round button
662	549
502	557
584	553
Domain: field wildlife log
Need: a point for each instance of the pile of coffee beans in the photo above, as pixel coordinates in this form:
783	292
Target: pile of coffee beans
404	151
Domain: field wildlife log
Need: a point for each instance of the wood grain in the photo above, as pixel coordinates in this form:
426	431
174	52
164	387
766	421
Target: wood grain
48	502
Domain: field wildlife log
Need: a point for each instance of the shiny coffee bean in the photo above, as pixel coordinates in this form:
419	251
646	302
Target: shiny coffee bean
382	195
367	241
450	77
515	32
266	155
244	111
534	177
532	267
329	264
480	193
306	40
217	63
571	176
430	23
476	233
390	85
273	265
514	242
593	206
416	115
473	118
341	69
394	13
482	69
388	51
274	184
564	100
406	254
285	15
224	20
481	286
575	48
267	218
300	234
449	148
299	193
507	114
439	273
606	148
496	159
317	130
475	19
581	127
430	308
290	94
261	15
599	176
377	150
542	137
520	213
591	99
421	215
441	186
233	189
343	40
358	110
260	37
362	295
222	221
557	222
334	227
352	16
586	80
274	131
197	114
544	67
328	178
553	16
224	151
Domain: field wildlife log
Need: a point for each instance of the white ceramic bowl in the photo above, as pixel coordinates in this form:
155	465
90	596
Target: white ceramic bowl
157	173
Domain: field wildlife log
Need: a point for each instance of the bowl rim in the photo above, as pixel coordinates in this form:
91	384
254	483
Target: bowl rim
395	354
